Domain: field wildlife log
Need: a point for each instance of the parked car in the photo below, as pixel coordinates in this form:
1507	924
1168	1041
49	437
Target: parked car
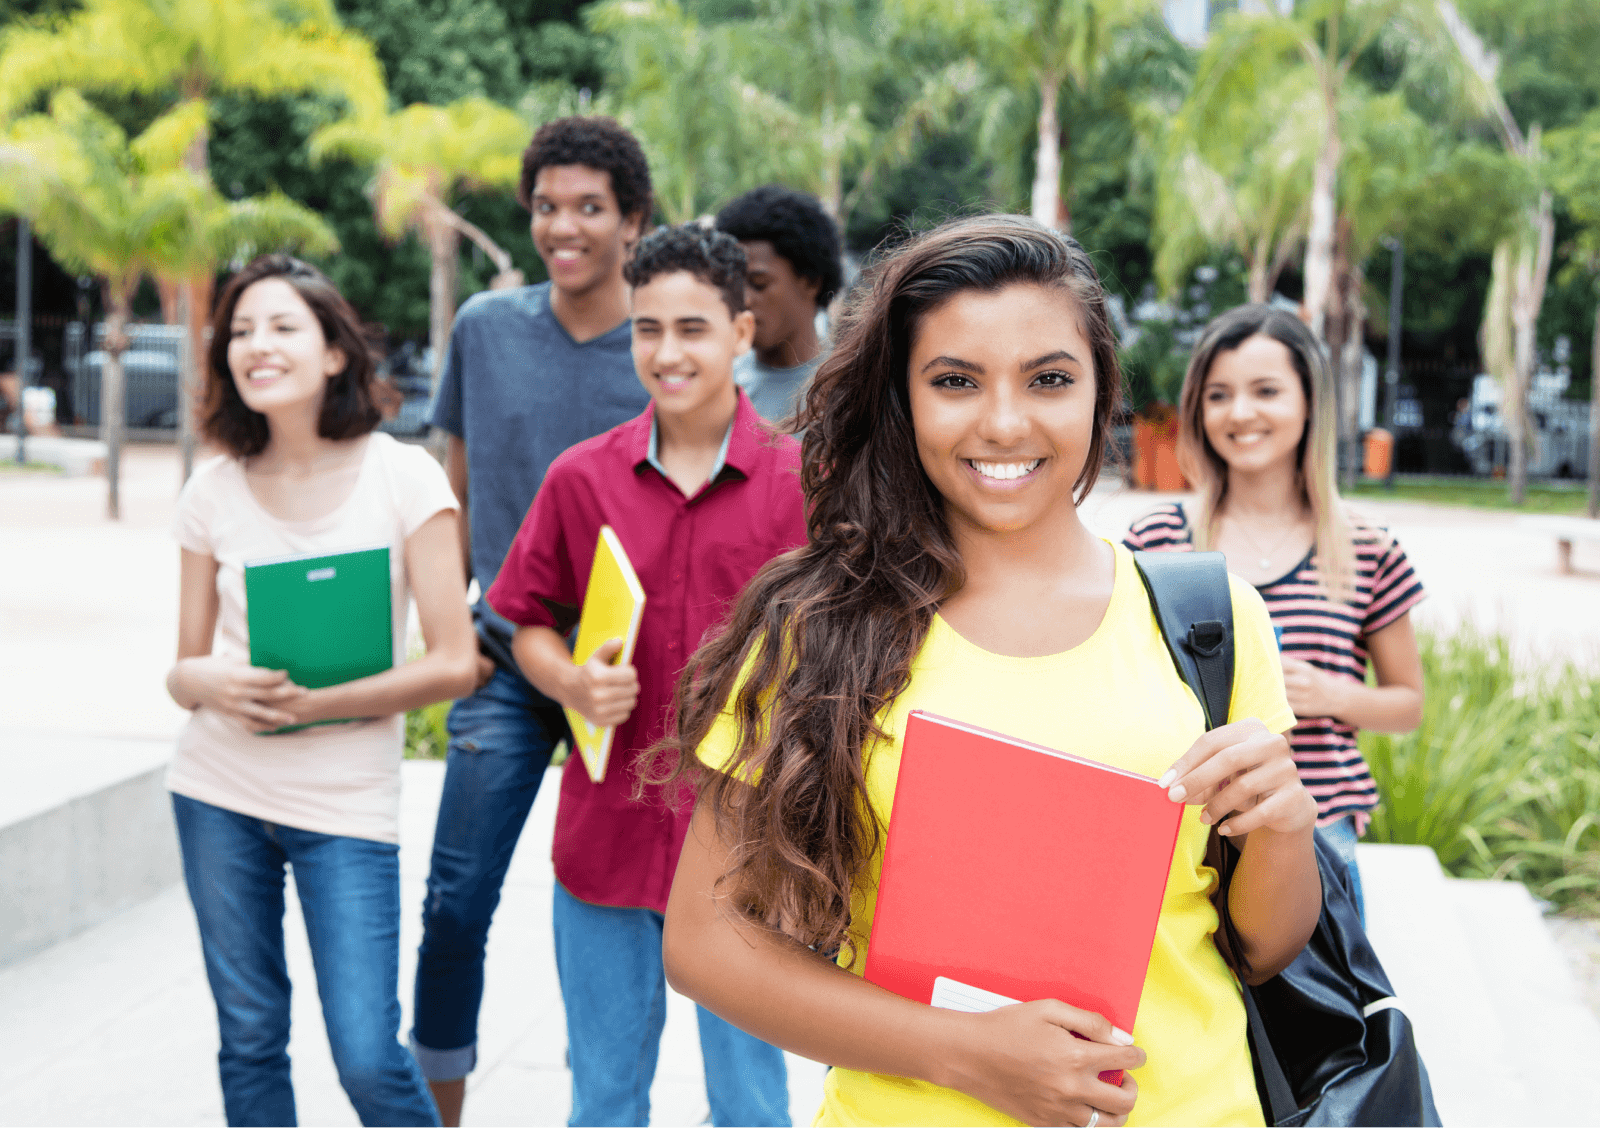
150	375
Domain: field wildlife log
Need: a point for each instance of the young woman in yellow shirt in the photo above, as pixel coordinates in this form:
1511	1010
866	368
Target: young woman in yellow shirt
948	439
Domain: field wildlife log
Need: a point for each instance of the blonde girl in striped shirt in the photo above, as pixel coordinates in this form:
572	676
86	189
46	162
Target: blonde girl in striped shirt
1257	440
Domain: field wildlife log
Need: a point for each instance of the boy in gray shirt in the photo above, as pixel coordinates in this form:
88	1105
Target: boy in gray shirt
791	247
530	372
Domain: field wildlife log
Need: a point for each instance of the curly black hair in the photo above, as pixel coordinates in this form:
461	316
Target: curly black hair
711	256
798	229
597	143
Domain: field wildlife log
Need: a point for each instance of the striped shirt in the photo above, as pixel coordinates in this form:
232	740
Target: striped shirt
1327	634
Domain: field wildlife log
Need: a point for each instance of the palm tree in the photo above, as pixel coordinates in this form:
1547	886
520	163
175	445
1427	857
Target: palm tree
1045	43
195	49
1521	263
1236	173
1328	36
708	131
828	60
118	211
425	157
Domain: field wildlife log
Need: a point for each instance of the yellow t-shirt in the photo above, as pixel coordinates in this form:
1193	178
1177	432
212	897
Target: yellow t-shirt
1118	699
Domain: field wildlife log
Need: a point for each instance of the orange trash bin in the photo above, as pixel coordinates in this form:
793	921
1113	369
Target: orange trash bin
1379	453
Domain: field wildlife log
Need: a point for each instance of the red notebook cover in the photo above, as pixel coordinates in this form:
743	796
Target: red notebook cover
1019	871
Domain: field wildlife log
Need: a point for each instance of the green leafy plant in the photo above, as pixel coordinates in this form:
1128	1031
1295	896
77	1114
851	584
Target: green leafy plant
426	735
1502	778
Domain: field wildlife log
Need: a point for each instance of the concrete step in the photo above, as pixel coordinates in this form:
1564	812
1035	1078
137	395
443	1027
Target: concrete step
85	833
1413	924
1553	1037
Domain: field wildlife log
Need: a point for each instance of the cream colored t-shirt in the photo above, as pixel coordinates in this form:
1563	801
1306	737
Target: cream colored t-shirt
1118	699
333	779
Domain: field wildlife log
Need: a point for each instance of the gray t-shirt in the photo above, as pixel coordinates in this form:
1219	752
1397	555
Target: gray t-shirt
518	390
775	392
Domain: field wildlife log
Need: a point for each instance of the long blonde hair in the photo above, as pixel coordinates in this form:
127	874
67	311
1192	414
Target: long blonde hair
1318	453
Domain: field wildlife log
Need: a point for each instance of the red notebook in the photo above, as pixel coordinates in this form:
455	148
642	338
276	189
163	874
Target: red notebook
1013	872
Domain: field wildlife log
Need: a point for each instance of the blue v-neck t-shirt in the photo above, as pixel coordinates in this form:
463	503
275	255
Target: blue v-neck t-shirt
518	390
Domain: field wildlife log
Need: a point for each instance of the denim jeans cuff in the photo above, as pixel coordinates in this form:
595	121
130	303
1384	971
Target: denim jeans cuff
444	1065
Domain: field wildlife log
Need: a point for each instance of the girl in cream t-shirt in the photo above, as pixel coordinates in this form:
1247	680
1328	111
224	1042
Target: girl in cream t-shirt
288	400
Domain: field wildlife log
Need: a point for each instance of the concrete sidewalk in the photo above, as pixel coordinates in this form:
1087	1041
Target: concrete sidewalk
117	1026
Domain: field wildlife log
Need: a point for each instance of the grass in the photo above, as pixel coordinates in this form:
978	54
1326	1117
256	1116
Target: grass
1502	778
1477	493
9	466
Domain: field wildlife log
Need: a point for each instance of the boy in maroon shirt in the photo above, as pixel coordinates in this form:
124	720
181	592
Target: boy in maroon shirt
701	494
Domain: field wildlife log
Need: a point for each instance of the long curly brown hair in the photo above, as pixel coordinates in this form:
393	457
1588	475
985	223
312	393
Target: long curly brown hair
822	640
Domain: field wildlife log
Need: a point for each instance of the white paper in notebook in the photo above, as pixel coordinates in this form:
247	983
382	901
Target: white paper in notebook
952	994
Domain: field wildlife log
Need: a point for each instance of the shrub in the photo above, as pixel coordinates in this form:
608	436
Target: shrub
1502	778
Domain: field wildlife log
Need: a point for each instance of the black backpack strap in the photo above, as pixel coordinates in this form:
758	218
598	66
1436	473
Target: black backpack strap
1194	607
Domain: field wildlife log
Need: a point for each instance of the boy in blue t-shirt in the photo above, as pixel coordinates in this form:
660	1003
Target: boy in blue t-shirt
529	373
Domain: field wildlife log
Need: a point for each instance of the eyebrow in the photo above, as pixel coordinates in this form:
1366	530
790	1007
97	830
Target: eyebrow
968	366
953	362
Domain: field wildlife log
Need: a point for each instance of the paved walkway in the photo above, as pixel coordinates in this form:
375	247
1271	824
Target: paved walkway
116	1026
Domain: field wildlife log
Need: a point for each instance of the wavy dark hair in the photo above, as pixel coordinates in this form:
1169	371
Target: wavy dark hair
348	409
822	640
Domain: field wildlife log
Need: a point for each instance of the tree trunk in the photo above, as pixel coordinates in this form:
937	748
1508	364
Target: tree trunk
1594	418
1350	371
1320	237
1531	272
1335	332
1257	289
195	300
443	244
113	406
1047	159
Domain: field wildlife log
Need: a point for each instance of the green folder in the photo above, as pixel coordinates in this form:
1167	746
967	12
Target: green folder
326	619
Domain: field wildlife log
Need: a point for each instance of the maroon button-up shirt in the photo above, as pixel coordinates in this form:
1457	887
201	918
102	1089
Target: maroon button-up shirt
693	555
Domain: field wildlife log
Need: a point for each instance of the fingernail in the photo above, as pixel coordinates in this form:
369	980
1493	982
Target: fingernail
1205	817
1178	794
1166	780
1224	829
1121	1037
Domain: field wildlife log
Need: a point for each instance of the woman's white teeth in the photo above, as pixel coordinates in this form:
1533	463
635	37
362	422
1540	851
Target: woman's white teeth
1006	471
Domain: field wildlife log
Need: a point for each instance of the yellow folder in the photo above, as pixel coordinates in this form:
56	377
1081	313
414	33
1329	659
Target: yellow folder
613	605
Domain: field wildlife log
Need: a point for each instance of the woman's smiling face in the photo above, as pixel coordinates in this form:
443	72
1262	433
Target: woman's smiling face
1002	390
277	353
1253	407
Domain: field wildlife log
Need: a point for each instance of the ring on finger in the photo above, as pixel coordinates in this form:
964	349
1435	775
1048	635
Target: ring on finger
1094	1117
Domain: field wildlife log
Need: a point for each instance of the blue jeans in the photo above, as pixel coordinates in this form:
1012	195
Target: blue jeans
350	895
1341	836
615	993
501	739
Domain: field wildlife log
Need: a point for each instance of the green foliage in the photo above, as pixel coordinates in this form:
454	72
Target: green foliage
1502	778
427	738
193	48
440	51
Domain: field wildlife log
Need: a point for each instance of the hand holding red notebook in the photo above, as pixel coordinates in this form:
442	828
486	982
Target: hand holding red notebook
1013	872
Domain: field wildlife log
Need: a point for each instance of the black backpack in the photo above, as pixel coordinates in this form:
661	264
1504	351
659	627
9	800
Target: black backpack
1328	1040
